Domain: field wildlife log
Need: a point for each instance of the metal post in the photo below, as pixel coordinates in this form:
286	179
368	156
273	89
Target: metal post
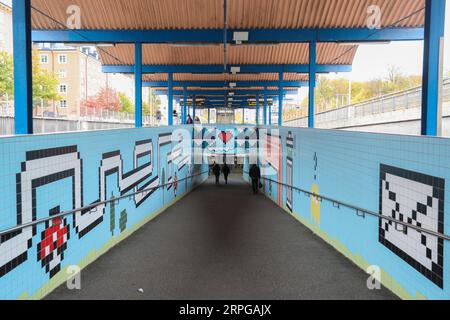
280	100
312	83
170	100
138	83
265	106
257	109
23	86
209	115
432	67
193	106
184	113
270	114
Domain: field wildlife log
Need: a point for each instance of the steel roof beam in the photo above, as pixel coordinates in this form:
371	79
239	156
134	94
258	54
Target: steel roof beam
218	84
216	36
218	68
223	92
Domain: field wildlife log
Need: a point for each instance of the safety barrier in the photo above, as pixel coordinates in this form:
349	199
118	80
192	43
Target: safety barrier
69	198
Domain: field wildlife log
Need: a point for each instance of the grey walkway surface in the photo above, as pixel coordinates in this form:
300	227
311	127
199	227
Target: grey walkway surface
223	243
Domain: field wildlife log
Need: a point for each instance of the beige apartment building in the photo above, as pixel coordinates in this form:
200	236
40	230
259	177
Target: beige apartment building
80	77
6	35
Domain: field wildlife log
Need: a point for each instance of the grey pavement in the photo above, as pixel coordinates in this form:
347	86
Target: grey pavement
223	243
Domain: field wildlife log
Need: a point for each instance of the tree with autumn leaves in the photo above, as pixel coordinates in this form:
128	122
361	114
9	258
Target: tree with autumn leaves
44	83
105	99
112	100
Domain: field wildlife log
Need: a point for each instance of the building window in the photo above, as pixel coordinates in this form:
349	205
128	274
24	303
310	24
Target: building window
62	74
62	58
44	58
63	88
63	104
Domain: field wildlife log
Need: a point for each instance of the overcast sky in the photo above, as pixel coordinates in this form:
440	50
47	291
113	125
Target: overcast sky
372	61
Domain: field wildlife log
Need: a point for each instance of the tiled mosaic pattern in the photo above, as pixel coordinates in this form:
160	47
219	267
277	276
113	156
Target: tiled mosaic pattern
404	178
44	176
416	199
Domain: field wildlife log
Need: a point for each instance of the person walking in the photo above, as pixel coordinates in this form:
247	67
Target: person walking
255	176
189	120
226	172
216	170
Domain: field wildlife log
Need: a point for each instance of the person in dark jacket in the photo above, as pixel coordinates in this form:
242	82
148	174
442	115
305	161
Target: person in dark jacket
226	172
255	175
189	120
216	170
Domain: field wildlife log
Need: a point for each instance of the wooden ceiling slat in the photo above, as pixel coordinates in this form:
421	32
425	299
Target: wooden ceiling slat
208	14
243	14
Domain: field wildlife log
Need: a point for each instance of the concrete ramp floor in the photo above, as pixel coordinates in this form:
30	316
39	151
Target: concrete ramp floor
223	243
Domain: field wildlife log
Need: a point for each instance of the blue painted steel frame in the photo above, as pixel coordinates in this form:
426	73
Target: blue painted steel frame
280	100
170	100
194	106
184	110
217	84
23	86
217	35
312	83
265	105
216	68
434	31
222	92
257	109
138	84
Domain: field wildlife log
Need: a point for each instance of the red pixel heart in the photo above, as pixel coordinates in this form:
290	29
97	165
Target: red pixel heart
225	136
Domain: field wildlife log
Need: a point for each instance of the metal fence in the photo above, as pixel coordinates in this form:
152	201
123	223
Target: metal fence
96	119
404	100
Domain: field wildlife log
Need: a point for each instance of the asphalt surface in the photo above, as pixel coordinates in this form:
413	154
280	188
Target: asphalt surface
223	243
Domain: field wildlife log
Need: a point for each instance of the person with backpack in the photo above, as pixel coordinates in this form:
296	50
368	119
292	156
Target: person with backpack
226	172
216	171
255	176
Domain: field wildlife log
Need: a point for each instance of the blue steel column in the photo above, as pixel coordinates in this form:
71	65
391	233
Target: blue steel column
209	115
138	83
280	100
184	109
265	106
434	32
257	109
170	100
193	106
270	112
23	85
312	83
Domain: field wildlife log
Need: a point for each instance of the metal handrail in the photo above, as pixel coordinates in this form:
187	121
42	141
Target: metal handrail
89	207
361	211
370	102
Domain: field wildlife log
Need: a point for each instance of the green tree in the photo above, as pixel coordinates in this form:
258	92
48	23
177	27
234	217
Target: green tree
126	105
395	81
6	74
44	82
154	103
146	109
